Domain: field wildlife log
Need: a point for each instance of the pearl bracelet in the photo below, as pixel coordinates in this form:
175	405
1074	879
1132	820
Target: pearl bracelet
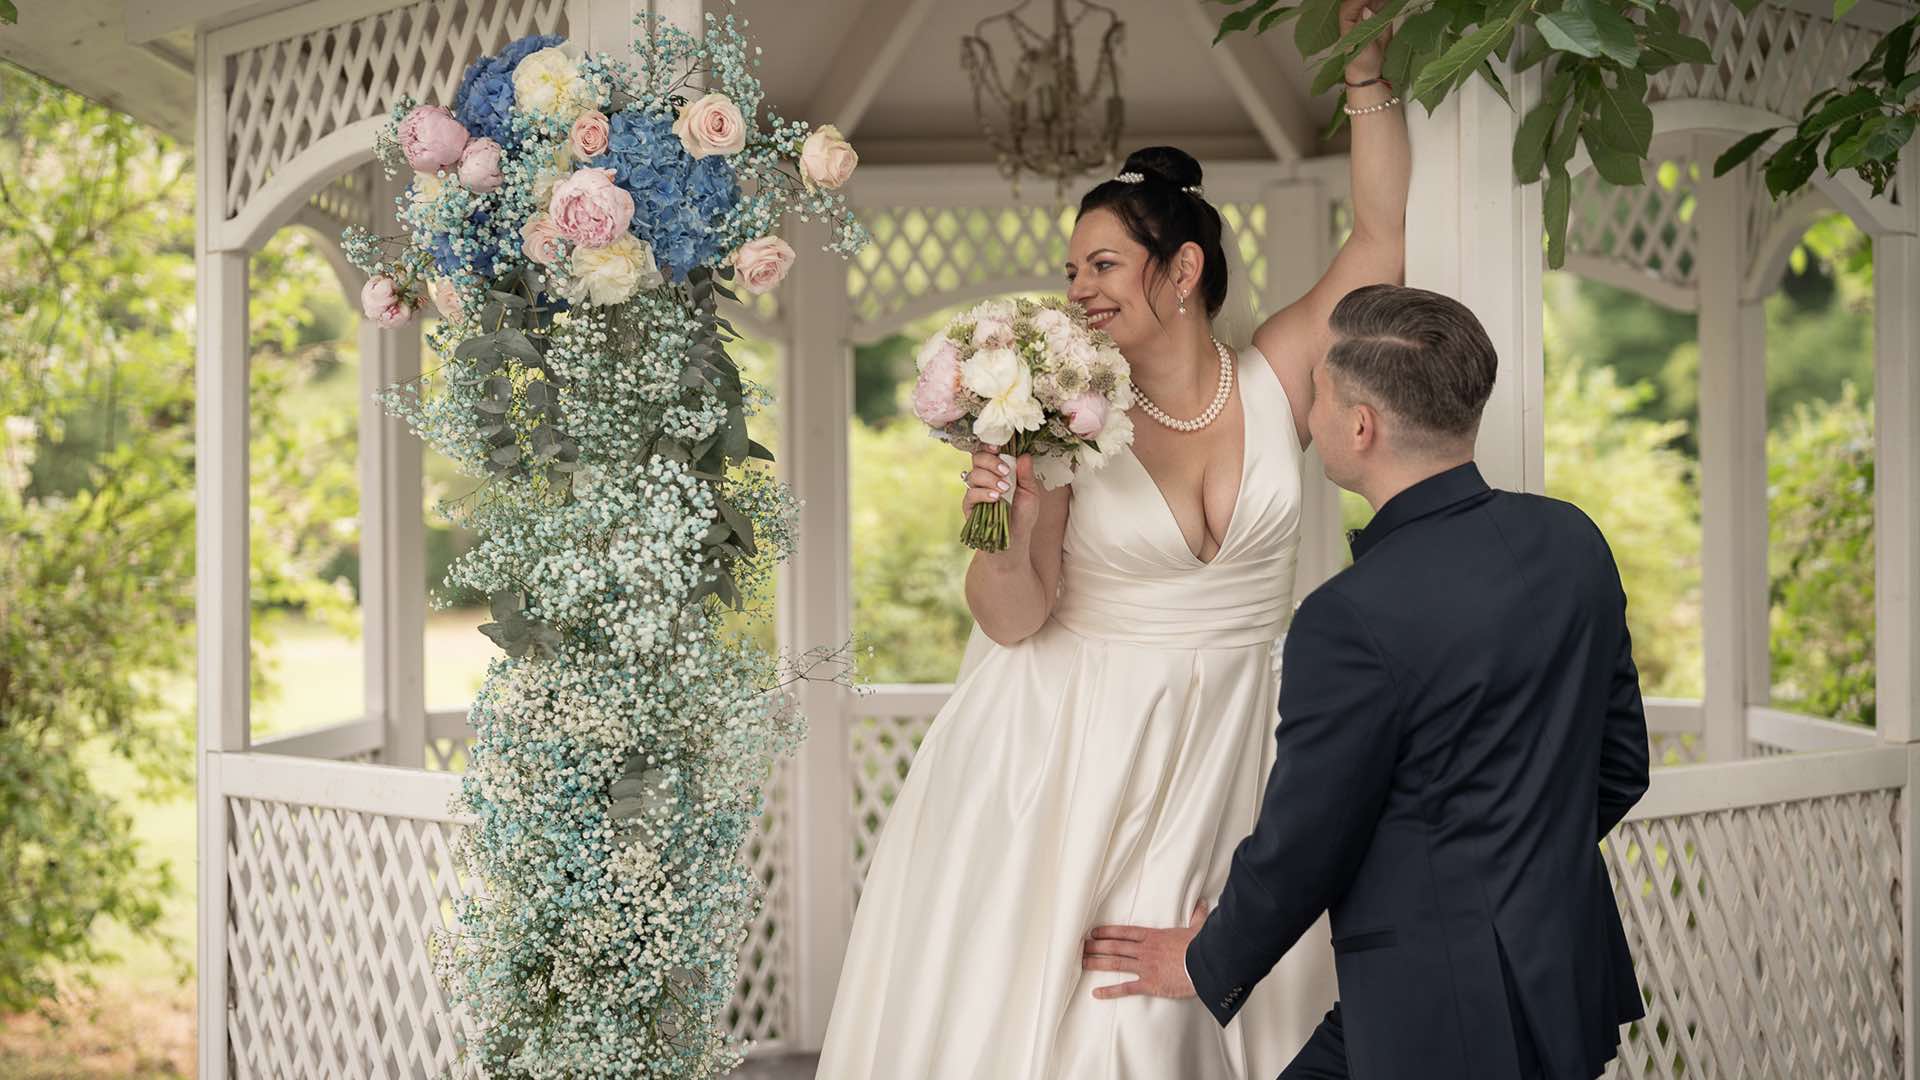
1364	110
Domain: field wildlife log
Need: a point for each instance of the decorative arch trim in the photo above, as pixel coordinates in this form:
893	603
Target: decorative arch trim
279	200
868	331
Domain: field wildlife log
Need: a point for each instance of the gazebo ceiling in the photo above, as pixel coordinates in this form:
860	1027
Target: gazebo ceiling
890	66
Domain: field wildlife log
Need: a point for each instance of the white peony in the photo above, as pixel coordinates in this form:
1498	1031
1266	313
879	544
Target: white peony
1003	310
1000	377
613	273
426	188
548	81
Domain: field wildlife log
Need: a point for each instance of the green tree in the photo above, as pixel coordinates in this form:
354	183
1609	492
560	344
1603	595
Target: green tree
1625	472
1820	477
96	505
910	614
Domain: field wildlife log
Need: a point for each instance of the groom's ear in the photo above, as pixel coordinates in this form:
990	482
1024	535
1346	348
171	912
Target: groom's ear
1364	423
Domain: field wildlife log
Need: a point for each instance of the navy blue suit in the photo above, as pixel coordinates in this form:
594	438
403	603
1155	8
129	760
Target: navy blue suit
1460	724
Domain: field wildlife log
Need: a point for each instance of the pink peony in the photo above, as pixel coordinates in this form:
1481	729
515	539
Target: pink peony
589	209
826	158
763	263
432	139
480	166
385	302
589	135
541	241
936	395
992	334
1086	414
712	125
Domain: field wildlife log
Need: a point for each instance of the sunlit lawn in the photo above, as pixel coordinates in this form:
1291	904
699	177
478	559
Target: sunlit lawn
139	1023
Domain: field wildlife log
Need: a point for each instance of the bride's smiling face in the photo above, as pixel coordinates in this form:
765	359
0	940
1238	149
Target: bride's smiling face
1109	274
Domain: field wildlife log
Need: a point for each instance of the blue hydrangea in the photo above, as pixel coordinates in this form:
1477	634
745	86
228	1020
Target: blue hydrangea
485	98
680	202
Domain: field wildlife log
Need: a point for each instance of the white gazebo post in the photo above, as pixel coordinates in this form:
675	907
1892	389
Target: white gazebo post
222	566
815	609
1299	244
1896	342
1733	460
393	571
1478	239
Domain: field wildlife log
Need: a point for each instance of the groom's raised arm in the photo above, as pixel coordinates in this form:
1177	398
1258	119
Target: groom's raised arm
1337	743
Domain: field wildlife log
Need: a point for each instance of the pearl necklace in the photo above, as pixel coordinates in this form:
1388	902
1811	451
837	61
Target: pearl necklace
1213	411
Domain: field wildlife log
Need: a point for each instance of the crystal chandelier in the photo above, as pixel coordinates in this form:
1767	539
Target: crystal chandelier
1036	115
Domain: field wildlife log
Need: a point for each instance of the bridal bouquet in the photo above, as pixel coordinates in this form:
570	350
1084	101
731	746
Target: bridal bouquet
576	221
1030	377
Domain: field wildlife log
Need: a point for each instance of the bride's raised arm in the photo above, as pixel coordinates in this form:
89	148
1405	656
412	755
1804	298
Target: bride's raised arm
1295	339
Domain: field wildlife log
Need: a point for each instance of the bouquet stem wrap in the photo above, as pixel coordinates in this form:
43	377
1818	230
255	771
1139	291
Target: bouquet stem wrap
988	523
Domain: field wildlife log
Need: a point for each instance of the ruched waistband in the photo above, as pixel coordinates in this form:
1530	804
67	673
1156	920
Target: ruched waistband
1212	612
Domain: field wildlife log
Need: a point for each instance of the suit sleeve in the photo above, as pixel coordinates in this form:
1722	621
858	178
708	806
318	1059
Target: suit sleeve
1338	741
1623	749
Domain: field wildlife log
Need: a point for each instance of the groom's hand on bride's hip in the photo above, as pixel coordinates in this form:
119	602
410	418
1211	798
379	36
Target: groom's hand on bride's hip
1157	958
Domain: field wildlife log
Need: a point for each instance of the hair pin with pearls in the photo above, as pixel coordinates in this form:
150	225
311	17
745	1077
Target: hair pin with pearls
1137	178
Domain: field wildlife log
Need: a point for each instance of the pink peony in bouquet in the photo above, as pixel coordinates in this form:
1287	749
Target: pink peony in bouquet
1029	377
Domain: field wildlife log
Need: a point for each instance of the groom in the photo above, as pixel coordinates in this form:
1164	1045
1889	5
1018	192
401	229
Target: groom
1460	725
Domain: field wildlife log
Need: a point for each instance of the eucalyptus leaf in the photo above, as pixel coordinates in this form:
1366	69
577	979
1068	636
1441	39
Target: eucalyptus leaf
755	450
739	525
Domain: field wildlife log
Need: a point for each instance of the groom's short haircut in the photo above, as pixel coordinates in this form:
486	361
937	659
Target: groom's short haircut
1416	354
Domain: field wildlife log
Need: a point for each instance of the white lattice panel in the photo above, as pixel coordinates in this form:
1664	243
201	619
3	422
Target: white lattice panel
881	749
1773	59
1644	231
328	918
1767	940
1675	748
919	253
348	200
283	96
449	753
762	1008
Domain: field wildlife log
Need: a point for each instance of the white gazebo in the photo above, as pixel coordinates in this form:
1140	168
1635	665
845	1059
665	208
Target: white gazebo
1766	883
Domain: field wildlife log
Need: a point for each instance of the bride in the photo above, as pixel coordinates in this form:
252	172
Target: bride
1106	750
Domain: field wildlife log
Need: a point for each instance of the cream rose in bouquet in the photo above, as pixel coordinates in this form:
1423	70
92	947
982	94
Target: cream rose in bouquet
1028	377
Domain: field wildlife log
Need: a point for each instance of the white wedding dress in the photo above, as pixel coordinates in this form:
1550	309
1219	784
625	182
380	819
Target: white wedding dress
1101	771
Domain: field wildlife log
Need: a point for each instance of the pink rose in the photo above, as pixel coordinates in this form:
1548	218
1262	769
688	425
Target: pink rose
385	302
446	297
1086	414
541	241
480	166
763	263
589	135
826	158
712	125
431	138
589	209
936	395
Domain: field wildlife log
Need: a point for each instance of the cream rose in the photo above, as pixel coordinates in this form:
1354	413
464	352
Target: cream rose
763	263
612	274
712	125
827	158
548	81
446	297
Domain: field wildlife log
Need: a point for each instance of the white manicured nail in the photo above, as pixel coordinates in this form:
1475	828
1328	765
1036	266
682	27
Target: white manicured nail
1004	485
1007	464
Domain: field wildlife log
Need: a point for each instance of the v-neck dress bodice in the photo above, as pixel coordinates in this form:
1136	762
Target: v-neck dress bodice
1100	771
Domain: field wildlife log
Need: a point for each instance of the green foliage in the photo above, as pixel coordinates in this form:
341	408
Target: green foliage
1820	476
1863	125
910	614
1625	472
1595	58
96	500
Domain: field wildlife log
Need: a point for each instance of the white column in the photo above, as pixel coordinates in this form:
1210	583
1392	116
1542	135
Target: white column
1896	338
815	609
1299	245
608	24
1733	464
221	557
1475	235
393	574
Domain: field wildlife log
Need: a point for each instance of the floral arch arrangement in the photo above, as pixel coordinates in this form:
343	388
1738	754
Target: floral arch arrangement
576	222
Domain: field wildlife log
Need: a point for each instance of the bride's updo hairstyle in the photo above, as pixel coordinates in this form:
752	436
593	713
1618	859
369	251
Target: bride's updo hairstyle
1162	211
